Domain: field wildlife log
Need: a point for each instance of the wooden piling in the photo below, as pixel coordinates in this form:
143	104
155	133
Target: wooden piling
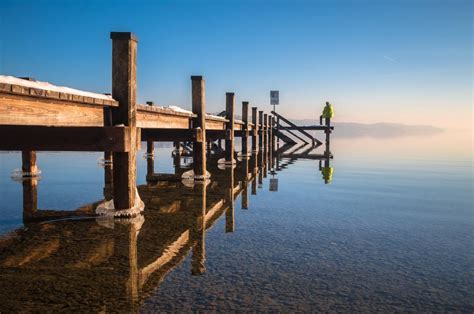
199	122
265	134
260	133
150	147
245	136
229	136
124	89
254	131
28	165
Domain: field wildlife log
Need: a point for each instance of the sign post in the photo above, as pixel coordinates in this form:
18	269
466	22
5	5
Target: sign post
274	98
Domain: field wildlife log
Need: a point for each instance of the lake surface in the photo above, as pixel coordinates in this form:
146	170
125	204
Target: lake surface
392	231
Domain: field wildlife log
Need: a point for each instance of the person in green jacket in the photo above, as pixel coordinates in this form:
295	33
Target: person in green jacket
328	113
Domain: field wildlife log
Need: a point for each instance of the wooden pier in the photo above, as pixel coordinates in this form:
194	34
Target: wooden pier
34	119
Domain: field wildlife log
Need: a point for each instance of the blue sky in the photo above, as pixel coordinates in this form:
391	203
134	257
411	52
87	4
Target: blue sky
395	61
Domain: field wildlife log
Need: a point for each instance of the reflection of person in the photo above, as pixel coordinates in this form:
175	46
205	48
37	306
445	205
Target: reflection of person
327	174
328	113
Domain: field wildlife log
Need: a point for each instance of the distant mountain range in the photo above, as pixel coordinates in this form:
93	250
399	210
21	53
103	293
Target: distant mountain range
352	129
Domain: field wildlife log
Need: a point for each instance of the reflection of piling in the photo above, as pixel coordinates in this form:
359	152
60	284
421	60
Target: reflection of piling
229	136
199	108
229	214
124	88
30	197
245	184
198	260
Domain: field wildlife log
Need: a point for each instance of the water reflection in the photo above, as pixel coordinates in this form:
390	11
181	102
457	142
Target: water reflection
99	264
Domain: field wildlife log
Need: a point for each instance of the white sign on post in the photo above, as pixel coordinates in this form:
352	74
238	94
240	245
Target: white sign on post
274	97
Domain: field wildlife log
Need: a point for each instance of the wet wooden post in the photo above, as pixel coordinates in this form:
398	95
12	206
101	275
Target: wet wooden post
28	163
254	131
124	90
260	133
328	132
198	234
245	136
229	132
199	124
150	152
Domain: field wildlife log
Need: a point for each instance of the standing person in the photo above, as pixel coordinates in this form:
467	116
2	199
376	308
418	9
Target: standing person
328	113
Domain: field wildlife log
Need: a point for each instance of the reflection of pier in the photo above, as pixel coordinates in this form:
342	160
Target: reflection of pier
104	264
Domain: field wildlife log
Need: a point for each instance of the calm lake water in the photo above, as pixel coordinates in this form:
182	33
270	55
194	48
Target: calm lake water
393	231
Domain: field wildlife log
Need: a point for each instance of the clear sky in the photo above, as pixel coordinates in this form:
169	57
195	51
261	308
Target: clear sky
393	61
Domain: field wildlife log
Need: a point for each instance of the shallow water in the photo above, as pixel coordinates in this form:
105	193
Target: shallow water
393	231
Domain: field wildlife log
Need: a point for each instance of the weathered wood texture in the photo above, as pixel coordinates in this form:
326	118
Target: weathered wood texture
260	133
199	108
171	135
22	137
124	90
24	110
255	130
229	140
245	130
28	162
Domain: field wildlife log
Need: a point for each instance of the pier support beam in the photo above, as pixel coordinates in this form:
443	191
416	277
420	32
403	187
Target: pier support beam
261	128
124	90
245	135
229	136
28	163
199	108
254	131
265	134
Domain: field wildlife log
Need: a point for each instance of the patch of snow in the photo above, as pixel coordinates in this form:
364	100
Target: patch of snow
178	109
50	87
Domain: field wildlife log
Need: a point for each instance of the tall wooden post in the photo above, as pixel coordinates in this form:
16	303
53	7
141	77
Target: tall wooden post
245	136
107	122
124	90
150	152
254	131
260	133
28	163
265	133
199	108
229	136
272	135
150	147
